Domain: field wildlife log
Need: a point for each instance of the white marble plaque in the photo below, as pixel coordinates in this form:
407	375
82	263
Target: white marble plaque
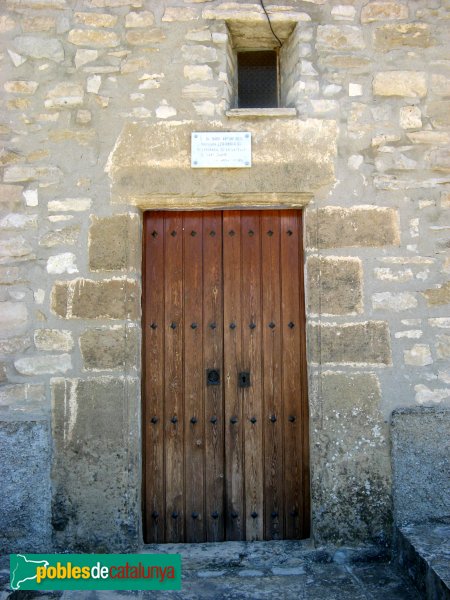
221	149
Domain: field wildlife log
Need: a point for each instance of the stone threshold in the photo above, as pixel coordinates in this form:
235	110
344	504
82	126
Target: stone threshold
423	552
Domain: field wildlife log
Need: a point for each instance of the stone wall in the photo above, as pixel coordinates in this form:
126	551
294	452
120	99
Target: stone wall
76	77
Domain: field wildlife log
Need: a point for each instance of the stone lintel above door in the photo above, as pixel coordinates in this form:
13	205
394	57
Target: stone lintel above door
150	165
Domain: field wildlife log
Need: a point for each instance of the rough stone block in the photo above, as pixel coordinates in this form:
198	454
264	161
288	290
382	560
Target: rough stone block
394	301
104	256
95	488
360	226
95	19
65	95
339	37
335	285
13	316
139	19
142	38
351	497
421	464
439	295
45	364
39	47
67	236
443	346
53	340
397	35
25	477
439	113
88	299
410	84
10	197
180	14
93	38
419	355
350	343
384	11
112	348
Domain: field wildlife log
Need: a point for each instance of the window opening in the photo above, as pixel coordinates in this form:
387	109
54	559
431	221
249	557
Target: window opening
258	79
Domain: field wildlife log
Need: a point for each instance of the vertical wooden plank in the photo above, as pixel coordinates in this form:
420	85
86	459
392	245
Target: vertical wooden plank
153	361
272	327
291	383
213	359
234	474
251	397
193	378
304	390
173	397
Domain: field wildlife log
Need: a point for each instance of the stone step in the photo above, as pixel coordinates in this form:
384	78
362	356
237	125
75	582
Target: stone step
283	554
423	551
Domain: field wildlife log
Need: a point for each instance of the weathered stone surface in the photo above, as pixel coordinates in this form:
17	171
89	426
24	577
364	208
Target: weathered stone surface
67	236
38	23
198	72
112	348
37	47
25	476
443	346
411	84
95	456
95	19
421	463
13	316
439	113
361	226
429	397
141	38
45	364
153	162
65	95
392	36
173	13
15	249
70	205
339	37
384	11
351	497
87	299
53	340
104	256
139	19
84	56
335	285
62	263
395	301
14	345
10	197
438	295
350	343
21	173
410	117
93	38
199	54
419	355
21	87
440	85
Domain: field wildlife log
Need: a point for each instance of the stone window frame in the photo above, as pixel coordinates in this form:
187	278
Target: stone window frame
286	57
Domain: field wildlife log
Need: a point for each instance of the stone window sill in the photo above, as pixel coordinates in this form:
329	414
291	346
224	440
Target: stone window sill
252	113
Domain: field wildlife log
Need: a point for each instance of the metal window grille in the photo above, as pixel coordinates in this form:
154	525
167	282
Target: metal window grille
258	79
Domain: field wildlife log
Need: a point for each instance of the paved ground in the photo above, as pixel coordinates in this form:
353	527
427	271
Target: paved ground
272	571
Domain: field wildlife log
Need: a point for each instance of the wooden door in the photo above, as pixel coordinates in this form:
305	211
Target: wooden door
225	416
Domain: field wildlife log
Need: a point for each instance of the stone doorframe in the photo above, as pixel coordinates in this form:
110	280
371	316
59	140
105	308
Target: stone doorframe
149	168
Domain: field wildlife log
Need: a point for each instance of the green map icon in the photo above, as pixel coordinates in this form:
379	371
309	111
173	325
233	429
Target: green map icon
24	569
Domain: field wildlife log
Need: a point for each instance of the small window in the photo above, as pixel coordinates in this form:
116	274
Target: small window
258	79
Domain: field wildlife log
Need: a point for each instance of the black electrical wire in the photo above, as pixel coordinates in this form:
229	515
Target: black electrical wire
270	24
